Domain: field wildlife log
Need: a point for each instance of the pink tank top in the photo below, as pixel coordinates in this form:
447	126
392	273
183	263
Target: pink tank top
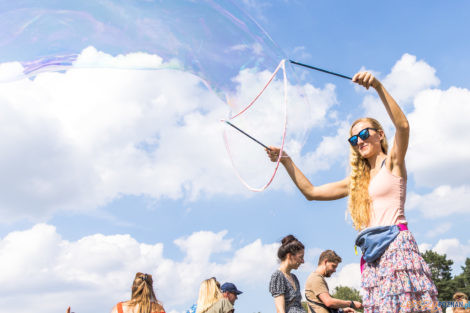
388	194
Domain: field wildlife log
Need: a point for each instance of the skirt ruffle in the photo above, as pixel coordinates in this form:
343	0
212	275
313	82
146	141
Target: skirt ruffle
399	281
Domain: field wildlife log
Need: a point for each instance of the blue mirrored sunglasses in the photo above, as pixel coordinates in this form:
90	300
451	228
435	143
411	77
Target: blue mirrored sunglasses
363	134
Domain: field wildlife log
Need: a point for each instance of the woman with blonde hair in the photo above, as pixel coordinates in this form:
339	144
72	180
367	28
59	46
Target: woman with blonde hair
395	278
211	300
143	298
461	304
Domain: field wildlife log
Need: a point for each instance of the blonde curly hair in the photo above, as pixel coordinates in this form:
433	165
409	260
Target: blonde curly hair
359	200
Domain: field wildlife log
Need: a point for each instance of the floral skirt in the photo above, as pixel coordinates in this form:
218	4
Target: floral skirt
399	281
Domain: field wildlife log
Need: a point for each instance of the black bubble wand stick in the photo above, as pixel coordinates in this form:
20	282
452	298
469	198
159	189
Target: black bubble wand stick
320	69
244	133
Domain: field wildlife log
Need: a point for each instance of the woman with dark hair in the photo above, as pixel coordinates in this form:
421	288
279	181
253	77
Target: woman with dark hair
284	285
395	278
143	298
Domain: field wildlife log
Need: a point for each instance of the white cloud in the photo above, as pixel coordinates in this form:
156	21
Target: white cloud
330	151
199	246
78	139
252	263
95	272
10	71
300	53
439	153
442	201
453	248
442	229
408	77
349	275
255	48
424	247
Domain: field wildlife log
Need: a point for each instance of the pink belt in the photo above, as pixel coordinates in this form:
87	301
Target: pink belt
402	227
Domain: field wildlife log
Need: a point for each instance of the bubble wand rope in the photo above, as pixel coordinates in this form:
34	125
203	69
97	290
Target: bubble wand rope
321	70
283	66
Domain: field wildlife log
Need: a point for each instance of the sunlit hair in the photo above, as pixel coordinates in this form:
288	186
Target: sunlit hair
462	299
209	293
143	294
329	256
359	201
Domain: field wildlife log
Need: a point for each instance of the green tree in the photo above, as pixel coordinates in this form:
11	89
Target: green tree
462	281
441	273
347	293
305	305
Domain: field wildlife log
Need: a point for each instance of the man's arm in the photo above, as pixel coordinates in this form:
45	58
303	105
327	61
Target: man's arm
334	303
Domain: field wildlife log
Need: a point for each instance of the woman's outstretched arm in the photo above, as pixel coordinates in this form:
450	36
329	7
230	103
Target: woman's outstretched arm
331	191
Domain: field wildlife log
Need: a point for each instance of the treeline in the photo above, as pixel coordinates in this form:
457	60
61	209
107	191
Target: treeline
441	272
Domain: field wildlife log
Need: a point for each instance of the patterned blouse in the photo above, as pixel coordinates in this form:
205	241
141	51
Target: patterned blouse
279	285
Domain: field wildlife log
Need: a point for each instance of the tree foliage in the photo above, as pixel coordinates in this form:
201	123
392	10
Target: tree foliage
441	273
462	281
346	293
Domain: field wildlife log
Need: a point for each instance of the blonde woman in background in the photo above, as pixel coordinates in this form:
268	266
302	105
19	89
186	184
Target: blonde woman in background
143	298
462	299
395	278
211	300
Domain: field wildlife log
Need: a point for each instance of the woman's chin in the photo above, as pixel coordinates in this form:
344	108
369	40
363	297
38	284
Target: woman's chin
365	153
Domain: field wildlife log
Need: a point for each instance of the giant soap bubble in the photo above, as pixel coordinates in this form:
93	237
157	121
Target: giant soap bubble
213	40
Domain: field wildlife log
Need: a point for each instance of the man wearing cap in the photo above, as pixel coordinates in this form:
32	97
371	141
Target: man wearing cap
230	291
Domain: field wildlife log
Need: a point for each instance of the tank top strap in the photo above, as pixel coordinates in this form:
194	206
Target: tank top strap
119	307
383	163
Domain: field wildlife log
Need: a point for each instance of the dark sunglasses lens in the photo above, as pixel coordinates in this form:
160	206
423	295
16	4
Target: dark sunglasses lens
364	134
353	140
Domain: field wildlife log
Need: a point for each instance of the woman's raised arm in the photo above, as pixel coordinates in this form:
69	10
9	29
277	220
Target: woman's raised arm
400	145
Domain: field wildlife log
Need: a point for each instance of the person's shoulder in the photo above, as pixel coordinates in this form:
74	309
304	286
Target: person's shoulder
222	305
226	304
314	275
276	273
157	307
314	278
277	278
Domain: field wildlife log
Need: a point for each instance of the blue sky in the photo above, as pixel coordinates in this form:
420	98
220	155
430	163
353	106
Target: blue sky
109	172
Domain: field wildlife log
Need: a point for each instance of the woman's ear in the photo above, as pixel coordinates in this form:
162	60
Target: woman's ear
381	134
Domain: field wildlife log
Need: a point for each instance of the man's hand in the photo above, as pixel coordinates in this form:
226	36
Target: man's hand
357	305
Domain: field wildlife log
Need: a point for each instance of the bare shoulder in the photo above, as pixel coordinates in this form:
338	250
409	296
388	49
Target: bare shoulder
157	307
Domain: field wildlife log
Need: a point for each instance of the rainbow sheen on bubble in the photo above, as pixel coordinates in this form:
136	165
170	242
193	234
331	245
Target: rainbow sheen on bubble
213	40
